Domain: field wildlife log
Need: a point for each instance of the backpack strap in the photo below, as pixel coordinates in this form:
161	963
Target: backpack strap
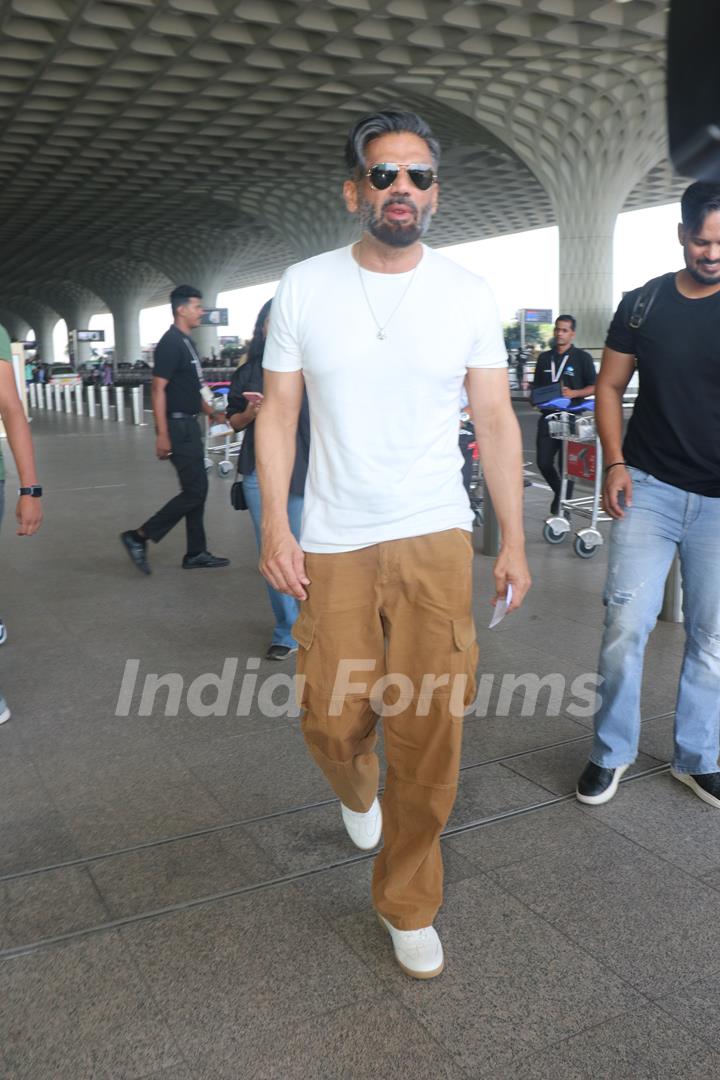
645	300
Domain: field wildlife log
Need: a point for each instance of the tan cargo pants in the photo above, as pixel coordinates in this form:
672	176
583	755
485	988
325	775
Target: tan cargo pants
388	630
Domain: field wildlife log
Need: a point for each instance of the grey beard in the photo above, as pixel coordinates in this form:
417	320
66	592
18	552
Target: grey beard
394	235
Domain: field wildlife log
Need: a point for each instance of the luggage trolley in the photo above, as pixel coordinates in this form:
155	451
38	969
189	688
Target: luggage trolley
224	442
581	460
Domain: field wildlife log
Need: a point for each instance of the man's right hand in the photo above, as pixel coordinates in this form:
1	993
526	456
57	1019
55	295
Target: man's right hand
282	562
617	491
28	514
163	447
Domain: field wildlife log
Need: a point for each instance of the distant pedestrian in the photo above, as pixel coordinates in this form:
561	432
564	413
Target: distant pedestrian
241	413
179	395
573	371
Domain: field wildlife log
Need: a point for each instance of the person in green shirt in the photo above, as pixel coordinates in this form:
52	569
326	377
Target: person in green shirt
28	511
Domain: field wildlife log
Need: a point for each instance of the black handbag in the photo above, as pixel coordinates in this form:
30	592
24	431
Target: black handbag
237	496
541	395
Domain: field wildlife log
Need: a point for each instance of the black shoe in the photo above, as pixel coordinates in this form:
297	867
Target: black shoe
193	562
137	550
705	785
555	506
598	785
280	652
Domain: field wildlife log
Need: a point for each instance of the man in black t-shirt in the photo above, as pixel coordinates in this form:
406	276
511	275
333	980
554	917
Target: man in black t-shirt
574	370
179	395
662	487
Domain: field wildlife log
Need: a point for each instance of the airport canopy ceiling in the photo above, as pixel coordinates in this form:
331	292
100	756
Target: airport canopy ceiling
144	140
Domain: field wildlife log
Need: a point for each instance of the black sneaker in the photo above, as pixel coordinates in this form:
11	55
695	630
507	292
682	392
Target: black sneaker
204	559
597	785
137	550
705	785
280	652
555	506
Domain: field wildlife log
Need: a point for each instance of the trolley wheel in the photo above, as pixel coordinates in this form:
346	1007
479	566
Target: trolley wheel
551	536
208	464
585	551
225	467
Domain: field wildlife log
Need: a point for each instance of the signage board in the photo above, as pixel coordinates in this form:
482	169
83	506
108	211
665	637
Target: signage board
215	317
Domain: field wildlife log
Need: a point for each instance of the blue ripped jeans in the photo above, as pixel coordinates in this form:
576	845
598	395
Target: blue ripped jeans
662	521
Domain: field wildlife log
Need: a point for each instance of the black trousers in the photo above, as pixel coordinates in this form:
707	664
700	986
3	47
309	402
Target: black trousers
546	450
188	458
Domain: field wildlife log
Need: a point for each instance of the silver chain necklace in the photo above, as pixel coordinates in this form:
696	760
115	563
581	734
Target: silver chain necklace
381	335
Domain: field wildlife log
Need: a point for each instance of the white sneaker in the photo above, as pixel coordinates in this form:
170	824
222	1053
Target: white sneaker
364	830
4	711
418	952
3	633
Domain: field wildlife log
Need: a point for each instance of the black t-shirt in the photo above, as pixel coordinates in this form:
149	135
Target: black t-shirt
674	431
250	377
579	371
174	355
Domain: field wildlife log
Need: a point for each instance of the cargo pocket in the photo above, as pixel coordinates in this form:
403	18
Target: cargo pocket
304	629
464	662
464	632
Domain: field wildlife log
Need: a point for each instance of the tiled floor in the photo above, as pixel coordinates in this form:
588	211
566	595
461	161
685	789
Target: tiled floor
178	899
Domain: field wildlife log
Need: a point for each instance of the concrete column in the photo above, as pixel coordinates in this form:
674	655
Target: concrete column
43	325
586	267
79	319
206	337
126	317
17	327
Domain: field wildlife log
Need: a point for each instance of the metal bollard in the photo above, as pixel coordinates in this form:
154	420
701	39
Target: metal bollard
49	396
491	528
137	406
671	610
120	404
40	390
32	395
78	400
58	397
68	398
105	402
91	402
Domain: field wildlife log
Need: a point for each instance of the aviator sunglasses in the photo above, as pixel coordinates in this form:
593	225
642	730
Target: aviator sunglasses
385	174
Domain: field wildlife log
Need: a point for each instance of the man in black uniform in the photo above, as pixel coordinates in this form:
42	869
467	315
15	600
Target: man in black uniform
574	370
179	394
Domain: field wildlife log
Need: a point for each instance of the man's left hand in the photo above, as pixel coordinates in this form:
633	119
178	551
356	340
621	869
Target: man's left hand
511	568
567	392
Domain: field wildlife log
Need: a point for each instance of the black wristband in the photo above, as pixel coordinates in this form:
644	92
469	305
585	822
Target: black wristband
609	467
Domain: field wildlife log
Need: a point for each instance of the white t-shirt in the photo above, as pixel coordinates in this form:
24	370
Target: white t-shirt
384	457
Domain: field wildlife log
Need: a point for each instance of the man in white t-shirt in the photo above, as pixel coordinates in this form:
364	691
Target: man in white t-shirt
384	334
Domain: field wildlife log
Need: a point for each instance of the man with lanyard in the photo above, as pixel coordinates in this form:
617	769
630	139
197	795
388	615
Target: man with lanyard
662	487
179	394
384	334
574	371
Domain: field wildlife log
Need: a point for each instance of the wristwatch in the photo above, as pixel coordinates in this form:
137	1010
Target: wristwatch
35	490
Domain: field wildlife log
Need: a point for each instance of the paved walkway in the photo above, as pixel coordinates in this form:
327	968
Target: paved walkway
178	898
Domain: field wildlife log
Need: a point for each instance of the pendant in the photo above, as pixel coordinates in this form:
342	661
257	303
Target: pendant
380	335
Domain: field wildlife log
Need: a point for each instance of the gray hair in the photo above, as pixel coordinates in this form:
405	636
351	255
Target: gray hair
386	122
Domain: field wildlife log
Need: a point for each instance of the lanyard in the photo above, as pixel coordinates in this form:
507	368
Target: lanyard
557	375
195	359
